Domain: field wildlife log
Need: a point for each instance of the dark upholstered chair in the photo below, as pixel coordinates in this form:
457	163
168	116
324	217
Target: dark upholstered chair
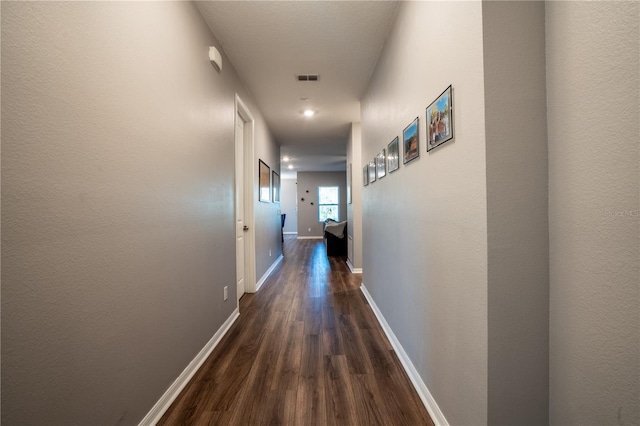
336	245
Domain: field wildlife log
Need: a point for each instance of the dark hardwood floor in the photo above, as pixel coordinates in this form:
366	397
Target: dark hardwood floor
306	350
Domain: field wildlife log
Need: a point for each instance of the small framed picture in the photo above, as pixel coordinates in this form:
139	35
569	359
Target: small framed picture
264	173
372	171
440	120
275	179
365	175
381	164
393	156
411	141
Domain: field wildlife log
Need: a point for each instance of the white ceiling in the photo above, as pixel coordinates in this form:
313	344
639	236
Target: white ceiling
327	157
270	42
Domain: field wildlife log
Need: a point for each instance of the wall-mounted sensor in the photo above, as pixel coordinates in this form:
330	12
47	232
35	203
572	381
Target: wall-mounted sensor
215	57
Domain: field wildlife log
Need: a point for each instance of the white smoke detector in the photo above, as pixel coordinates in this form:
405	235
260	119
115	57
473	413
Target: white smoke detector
215	57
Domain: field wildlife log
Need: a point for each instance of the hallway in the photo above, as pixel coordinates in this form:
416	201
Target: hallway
306	349
507	256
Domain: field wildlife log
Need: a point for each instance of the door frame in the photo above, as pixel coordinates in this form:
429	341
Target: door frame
248	166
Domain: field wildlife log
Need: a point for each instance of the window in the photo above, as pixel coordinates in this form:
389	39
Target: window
328	199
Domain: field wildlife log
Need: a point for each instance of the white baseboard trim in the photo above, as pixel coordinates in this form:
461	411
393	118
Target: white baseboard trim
426	397
165	401
309	238
352	269
269	271
290	233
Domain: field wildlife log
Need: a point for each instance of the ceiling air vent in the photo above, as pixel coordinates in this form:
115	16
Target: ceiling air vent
307	77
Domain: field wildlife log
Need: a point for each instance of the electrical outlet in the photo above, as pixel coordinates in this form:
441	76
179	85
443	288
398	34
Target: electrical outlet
269	252
226	292
309	229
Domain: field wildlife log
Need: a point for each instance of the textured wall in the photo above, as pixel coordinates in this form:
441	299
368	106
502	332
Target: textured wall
117	205
593	114
266	215
288	204
307	213
354	210
517	228
424	226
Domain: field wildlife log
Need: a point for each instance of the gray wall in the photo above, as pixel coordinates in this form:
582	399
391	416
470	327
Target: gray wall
288	204
517	227
592	81
425	225
117	205
307	213
536	313
268	223
354	210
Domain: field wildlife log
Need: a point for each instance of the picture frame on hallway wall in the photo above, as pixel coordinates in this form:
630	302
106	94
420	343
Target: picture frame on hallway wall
365	175
411	141
381	163
372	170
440	120
264	183
275	179
393	155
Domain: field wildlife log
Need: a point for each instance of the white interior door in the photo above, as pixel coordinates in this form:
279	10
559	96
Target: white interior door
245	187
240	225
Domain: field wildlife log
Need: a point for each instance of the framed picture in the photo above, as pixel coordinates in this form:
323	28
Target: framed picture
349	201
264	173
393	156
372	171
365	175
440	120
411	141
275	179
381	163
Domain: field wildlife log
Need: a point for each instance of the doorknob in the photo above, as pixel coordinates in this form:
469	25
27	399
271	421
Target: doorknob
245	228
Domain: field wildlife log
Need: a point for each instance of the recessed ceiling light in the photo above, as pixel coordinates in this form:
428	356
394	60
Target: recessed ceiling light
290	167
285	158
309	112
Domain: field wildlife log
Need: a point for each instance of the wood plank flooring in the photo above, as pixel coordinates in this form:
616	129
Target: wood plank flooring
306	350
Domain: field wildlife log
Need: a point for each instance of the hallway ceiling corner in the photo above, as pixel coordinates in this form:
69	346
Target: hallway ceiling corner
270	43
